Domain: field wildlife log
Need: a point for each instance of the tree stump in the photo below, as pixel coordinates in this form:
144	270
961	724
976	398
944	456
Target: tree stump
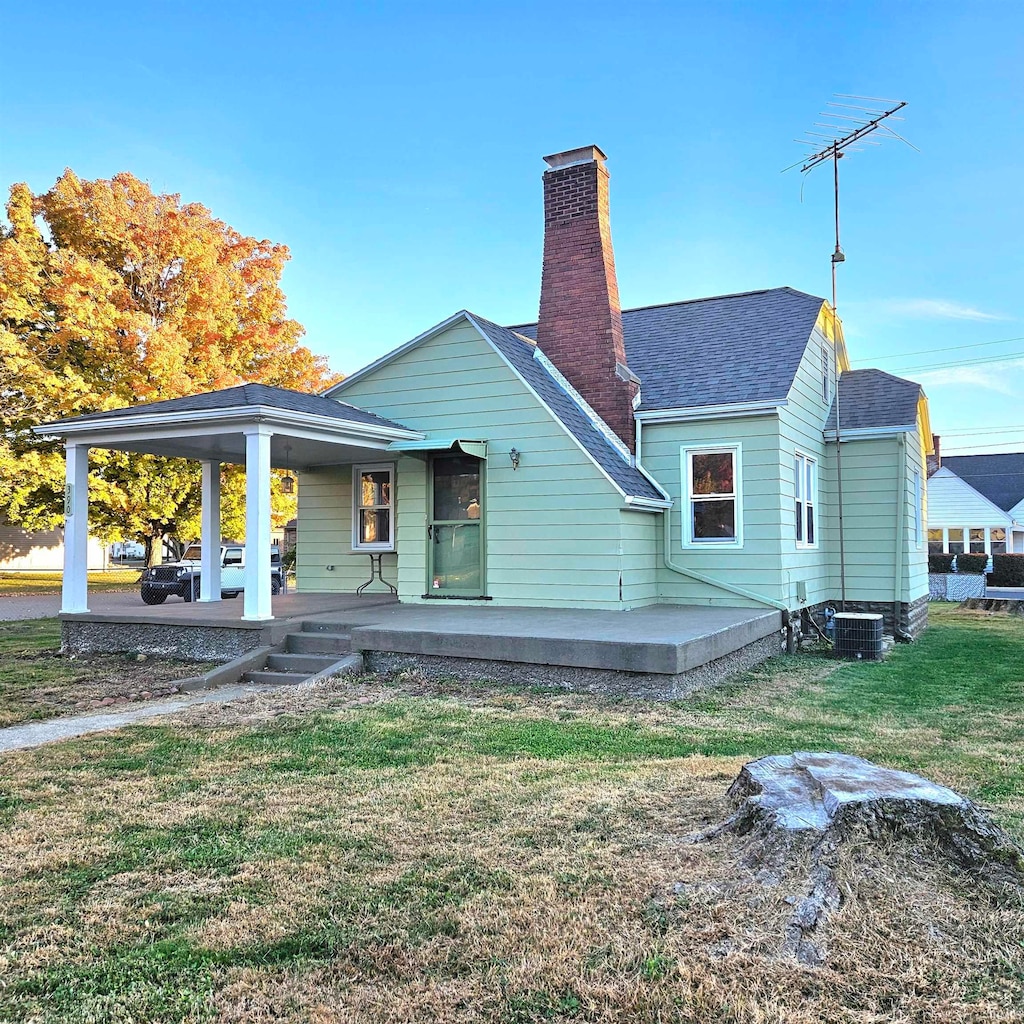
797	810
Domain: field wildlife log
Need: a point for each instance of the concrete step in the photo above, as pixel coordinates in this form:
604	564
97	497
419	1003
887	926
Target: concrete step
318	643
277	678
318	626
310	664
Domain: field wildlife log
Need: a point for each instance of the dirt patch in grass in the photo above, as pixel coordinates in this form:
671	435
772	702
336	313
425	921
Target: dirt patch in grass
37	681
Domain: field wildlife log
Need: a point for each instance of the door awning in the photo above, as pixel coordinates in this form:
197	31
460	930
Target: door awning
478	449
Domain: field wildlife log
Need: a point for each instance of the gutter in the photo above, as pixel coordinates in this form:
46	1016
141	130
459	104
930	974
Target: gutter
241	414
731	410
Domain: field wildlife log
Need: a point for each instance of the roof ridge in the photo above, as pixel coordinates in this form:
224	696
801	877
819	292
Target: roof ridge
702	298
884	373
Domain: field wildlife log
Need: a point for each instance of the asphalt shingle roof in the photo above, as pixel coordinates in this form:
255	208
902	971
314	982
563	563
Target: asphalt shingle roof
874	398
242	396
718	350
519	351
999	477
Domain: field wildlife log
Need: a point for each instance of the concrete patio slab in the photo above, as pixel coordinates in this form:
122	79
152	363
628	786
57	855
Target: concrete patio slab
665	639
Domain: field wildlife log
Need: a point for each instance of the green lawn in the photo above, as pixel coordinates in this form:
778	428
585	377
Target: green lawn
409	851
37	682
21	583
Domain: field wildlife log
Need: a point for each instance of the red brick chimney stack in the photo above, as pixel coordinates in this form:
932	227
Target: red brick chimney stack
580	323
935	460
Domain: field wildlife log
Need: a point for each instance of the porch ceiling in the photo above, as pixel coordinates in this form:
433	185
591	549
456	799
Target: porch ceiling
227	446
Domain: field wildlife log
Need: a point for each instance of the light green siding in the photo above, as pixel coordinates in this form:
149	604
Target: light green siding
878	521
756	566
801	425
555	530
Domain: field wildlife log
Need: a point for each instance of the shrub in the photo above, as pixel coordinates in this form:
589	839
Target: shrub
971	563
940	563
1007	571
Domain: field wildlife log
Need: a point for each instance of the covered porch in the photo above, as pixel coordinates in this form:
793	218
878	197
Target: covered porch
259	427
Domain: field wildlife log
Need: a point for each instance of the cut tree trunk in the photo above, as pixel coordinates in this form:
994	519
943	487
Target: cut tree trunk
798	810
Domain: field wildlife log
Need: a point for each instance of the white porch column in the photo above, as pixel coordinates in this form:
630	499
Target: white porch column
209	570
75	584
257	523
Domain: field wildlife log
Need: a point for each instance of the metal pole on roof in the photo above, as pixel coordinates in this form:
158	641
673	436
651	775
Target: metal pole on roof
837	258
851	129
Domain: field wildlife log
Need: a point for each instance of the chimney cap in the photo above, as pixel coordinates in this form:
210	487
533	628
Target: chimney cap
571	157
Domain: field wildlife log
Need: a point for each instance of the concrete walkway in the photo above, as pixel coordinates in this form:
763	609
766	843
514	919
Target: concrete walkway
29	606
35	734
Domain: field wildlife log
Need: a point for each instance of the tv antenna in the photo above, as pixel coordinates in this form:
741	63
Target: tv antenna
850	133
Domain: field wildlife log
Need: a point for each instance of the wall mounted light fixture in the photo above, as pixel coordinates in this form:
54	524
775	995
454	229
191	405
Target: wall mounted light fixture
287	481
515	456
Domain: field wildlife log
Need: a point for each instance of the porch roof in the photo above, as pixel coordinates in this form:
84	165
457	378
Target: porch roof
309	430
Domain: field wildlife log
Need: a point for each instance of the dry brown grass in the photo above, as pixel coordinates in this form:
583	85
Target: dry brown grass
482	890
366	851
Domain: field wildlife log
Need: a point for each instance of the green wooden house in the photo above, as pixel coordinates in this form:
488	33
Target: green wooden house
717	451
682	453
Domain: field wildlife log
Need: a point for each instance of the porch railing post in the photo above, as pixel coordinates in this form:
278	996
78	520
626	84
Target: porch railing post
75	582
209	569
257	523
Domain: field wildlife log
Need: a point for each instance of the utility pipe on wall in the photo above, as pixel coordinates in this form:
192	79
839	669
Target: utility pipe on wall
901	511
709	580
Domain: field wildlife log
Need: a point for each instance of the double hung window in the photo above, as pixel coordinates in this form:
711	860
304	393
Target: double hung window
713	515
805	490
373	508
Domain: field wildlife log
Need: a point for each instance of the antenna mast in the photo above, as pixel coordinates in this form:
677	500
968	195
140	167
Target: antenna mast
850	133
864	122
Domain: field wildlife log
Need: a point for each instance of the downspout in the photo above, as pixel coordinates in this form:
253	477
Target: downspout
700	577
728	587
901	511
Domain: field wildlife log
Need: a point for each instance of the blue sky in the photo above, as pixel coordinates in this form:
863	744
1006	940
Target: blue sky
396	149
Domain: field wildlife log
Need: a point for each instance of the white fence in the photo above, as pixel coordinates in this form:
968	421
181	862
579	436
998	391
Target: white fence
955	586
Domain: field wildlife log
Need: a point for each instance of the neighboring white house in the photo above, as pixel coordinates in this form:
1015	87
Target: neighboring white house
976	505
39	550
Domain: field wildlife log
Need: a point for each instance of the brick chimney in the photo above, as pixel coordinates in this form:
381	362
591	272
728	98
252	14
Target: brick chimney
580	323
935	460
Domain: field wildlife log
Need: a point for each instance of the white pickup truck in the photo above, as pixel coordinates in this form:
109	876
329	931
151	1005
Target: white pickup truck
181	578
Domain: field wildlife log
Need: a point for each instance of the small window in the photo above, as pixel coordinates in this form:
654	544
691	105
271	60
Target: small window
826	382
977	541
934	542
956	541
373	508
713	512
805	489
997	536
233	556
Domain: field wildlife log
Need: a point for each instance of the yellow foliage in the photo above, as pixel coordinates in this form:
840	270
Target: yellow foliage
128	297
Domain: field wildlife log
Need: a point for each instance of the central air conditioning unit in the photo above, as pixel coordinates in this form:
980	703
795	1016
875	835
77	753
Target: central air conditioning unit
858	636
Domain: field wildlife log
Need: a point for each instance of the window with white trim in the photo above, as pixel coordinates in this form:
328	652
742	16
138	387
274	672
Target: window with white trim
805	491
826	383
373	507
712	515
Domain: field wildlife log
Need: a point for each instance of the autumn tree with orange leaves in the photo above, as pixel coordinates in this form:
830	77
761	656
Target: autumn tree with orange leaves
111	295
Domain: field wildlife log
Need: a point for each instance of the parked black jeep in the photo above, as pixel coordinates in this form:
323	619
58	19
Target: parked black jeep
181	578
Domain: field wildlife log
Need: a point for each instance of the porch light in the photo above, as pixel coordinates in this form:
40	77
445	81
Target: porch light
287	481
514	456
